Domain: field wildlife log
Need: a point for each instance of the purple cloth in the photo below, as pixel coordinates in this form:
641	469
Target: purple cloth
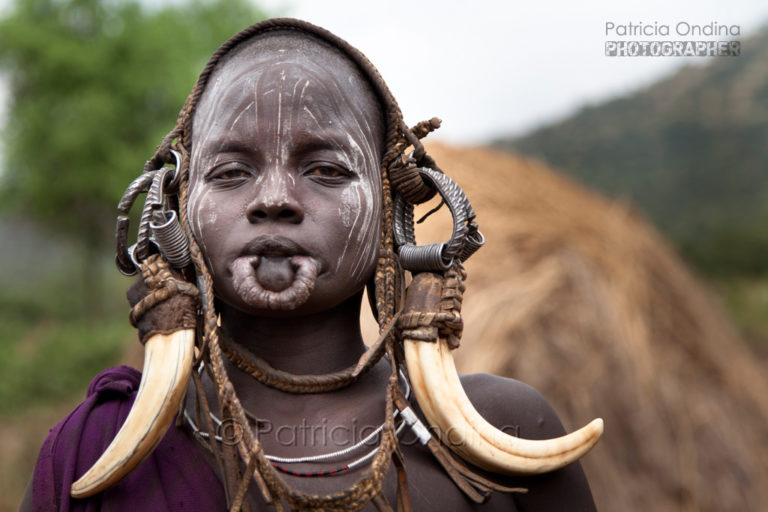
174	477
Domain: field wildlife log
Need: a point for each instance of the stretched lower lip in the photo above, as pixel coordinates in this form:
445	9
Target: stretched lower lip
275	273
272	282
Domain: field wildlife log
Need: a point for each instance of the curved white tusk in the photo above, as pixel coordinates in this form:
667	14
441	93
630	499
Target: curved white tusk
167	366
446	406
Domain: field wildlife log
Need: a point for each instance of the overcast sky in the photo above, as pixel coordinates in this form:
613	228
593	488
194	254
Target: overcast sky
491	68
495	67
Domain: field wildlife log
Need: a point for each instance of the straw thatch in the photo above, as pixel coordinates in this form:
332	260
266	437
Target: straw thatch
582	299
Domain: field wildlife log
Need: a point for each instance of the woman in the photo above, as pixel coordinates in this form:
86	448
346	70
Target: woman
294	181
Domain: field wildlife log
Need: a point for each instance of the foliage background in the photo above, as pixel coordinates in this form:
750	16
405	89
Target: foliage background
94	86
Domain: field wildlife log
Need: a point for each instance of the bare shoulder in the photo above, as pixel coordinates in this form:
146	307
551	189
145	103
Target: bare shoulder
513	406
520	410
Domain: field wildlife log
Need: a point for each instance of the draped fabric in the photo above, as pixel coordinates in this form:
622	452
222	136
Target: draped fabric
175	477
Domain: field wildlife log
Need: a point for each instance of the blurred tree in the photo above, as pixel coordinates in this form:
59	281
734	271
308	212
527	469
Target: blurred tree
94	85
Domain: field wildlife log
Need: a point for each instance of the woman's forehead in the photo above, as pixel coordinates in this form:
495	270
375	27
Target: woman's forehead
286	45
300	85
289	62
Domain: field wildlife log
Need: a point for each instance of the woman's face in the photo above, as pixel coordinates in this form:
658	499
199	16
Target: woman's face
285	191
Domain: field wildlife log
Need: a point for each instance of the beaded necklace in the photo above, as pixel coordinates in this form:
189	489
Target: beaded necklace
277	462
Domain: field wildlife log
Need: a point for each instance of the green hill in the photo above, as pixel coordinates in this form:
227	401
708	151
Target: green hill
690	151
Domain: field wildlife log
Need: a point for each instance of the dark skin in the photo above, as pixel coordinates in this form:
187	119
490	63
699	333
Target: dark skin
293	140
284	186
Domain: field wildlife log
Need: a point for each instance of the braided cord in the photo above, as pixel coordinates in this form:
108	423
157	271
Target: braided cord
388	289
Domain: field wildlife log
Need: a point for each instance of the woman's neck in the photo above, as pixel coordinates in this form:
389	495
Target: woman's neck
313	344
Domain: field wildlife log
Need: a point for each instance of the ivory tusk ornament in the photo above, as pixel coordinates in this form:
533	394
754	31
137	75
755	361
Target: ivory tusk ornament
167	366
447	408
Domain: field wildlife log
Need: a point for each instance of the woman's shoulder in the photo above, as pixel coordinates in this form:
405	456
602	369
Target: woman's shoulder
79	436
77	441
513	406
520	410
90	427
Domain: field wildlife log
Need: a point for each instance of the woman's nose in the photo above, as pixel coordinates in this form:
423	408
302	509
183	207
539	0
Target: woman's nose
276	201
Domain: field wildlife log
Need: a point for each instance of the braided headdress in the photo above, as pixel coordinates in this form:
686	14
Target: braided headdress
396	170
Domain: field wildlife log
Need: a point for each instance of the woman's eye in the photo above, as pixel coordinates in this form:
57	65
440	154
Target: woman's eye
232	173
227	173
327	171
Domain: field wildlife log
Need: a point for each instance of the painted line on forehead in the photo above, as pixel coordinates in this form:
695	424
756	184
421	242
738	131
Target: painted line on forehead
333	92
214	91
241	114
309	112
303	89
359	135
266	92
213	100
217	152
200	160
359	128
256	104
364	152
293	118
279	130
299	106
297	103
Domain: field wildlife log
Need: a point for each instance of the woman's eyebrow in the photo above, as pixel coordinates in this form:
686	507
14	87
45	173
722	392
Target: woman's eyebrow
229	145
315	140
318	140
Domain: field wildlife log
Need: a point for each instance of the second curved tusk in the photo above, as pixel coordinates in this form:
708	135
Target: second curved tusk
167	366
446	406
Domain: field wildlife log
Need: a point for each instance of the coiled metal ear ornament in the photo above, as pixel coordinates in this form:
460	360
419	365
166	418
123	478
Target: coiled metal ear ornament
430	326
464	241
159	227
170	238
168	356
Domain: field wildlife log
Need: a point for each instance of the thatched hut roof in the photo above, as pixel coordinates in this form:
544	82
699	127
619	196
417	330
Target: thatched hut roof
581	298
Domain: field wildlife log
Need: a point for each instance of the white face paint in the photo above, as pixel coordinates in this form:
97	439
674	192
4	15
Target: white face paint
285	180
